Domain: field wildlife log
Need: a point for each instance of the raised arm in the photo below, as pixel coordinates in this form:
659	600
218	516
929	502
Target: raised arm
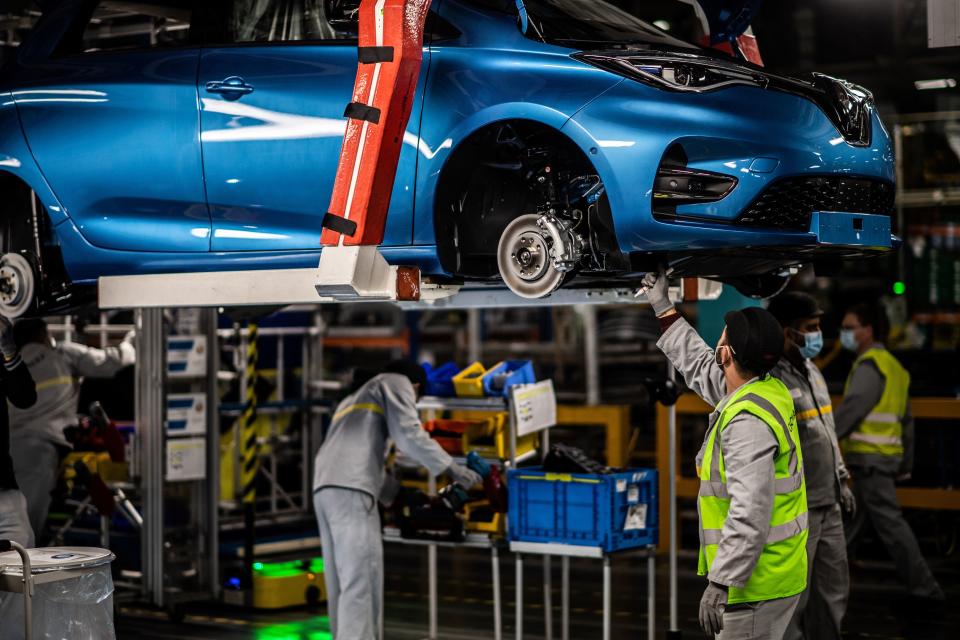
695	360
98	363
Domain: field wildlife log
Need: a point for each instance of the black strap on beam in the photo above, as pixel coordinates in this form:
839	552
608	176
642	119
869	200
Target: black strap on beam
357	111
373	55
339	224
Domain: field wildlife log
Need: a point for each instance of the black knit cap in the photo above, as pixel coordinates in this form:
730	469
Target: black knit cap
756	338
411	369
791	306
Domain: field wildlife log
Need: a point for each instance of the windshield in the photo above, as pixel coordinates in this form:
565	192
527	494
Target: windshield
578	23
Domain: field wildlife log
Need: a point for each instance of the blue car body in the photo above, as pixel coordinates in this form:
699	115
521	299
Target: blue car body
140	170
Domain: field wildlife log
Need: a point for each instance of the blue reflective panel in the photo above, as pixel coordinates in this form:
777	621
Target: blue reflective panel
117	138
270	149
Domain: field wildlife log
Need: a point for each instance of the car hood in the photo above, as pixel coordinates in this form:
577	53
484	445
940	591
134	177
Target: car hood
848	106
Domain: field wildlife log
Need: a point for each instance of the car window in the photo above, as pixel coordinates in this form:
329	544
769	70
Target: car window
582	23
117	25
293	20
14	27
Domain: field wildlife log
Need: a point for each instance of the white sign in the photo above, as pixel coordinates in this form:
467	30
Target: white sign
636	518
186	414
186	356
186	459
535	406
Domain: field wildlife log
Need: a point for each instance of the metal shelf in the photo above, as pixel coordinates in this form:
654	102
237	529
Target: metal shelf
407	463
571	550
470	541
434	403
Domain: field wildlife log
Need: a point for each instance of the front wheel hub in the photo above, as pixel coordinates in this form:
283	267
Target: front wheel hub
523	256
17	285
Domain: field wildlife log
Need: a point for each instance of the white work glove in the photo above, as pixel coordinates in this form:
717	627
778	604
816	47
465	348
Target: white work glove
848	504
712	604
655	285
8	346
463	476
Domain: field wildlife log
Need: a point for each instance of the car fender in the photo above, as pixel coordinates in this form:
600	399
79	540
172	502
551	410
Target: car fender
17	160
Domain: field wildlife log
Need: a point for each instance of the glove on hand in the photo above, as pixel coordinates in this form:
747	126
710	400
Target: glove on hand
655	286
847	502
8	346
463	476
712	603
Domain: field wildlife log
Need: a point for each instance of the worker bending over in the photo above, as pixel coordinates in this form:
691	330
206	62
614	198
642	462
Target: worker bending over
36	433
348	478
819	614
752	500
876	428
17	386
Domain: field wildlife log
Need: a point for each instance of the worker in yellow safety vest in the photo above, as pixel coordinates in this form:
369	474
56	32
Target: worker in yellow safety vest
752	500
875	428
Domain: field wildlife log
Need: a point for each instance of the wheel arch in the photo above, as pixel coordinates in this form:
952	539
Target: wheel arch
452	173
27	228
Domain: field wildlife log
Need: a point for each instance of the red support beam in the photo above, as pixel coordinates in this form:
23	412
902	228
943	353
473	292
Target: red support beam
389	55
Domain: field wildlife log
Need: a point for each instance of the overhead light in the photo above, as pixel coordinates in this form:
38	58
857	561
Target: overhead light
662	24
938	83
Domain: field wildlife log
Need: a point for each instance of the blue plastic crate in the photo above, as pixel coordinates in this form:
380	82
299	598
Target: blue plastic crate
615	511
440	380
498	380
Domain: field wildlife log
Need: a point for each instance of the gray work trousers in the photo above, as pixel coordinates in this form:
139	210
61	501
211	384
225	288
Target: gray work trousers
766	620
876	495
352	561
36	463
819	613
14	522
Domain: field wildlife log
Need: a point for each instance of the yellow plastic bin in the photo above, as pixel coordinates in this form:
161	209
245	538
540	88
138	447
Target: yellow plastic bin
469	382
491	439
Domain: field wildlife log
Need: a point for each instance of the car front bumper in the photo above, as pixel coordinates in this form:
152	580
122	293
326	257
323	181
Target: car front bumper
761	137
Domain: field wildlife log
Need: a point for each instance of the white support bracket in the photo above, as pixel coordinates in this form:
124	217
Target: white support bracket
353	273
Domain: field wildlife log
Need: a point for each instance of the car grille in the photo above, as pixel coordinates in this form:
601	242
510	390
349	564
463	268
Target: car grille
788	203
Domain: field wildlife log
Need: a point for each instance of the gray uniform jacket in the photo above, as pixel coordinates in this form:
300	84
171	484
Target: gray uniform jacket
352	456
749	449
57	370
866	388
823	467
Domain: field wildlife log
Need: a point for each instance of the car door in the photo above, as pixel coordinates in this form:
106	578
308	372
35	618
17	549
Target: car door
273	88
109	109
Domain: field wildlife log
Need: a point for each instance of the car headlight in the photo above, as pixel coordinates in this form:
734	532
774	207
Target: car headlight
675	73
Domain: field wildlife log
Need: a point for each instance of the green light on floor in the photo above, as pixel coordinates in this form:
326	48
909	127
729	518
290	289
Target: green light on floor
899	288
316	628
289	568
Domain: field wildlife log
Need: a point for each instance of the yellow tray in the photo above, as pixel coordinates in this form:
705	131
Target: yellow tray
469	382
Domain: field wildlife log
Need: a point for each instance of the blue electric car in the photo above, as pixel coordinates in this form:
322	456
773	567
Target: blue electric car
550	141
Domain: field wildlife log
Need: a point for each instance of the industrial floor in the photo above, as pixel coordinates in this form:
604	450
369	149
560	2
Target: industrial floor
877	609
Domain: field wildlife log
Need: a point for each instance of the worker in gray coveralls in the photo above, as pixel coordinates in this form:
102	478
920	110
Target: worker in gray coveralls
348	478
758	537
820	612
875	427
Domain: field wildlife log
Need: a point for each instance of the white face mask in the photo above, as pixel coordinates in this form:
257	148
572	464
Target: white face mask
848	339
